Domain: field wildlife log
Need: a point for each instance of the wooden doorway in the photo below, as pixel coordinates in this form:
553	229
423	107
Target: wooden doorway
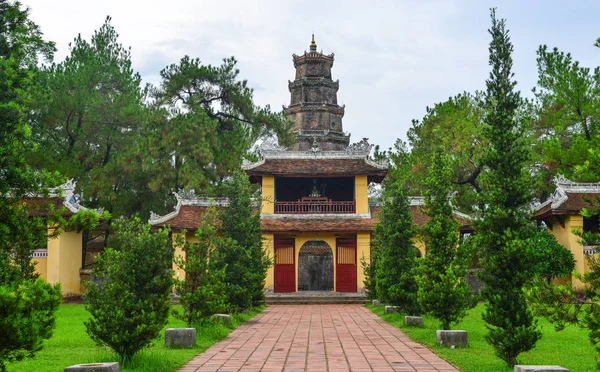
346	266
285	268
315	266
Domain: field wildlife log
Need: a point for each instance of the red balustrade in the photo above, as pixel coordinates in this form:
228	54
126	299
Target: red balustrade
314	205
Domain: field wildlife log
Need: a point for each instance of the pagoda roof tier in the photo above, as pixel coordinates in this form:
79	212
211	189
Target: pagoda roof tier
190	211
312	55
569	198
314	81
321	167
314	106
278	161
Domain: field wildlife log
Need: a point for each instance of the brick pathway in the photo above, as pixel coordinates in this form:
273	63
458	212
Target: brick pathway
317	338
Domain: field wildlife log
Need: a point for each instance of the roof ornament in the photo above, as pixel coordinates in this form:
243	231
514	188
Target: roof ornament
185	194
313	45
270	145
362	146
315	145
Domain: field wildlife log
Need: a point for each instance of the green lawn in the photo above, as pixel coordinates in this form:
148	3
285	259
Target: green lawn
70	344
569	348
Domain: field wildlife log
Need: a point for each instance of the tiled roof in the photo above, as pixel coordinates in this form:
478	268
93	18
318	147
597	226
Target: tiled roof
569	198
317	224
315	167
190	217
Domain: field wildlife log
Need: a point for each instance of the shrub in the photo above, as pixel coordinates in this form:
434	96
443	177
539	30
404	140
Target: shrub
131	305
26	317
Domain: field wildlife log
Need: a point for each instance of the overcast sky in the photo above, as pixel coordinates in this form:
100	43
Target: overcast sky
393	58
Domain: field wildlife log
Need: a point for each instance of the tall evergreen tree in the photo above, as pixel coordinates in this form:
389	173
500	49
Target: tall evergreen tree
202	291
27	304
242	254
443	290
396	253
89	111
503	230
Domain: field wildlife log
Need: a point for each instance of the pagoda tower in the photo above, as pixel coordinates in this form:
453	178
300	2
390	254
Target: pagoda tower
313	105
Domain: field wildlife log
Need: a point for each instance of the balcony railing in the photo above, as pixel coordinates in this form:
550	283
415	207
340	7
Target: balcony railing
310	205
40	253
590	250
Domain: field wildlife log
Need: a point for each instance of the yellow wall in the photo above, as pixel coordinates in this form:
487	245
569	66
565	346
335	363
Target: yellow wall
363	250
64	262
41	267
571	241
420	246
268	245
178	252
268	195
362	194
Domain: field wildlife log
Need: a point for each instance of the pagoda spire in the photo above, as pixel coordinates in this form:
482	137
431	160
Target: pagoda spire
313	105
313	45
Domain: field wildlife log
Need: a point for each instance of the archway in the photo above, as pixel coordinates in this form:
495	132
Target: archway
315	266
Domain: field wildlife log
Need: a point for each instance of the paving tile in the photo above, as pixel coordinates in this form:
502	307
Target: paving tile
332	338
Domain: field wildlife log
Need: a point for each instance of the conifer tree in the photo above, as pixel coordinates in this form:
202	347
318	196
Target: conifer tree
242	255
131	306
503	230
202	291
443	290
396	253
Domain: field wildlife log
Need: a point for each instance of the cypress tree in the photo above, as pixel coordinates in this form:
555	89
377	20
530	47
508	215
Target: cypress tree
242	255
443	290
396	253
503	231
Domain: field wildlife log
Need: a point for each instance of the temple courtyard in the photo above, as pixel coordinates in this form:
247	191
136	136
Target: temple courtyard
317	338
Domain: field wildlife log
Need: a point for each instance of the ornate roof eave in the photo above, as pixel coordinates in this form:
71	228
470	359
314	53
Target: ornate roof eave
187	198
67	192
565	187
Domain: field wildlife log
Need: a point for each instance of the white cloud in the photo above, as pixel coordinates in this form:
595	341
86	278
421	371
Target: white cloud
393	58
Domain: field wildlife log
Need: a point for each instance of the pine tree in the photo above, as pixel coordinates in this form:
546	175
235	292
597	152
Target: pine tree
503	231
443	290
396	253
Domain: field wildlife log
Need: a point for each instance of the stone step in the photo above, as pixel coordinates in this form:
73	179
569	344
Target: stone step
305	300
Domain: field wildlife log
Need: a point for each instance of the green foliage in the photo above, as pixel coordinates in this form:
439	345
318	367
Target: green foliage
242	255
563	305
456	126
554	348
443	290
369	268
89	114
209	121
396	260
504	229
131	304
202	291
553	260
70	344
567	128
27	305
26	318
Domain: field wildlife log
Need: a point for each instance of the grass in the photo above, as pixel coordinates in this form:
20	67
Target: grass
569	348
70	344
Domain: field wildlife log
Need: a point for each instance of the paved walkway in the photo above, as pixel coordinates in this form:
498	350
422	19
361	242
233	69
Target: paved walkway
317	338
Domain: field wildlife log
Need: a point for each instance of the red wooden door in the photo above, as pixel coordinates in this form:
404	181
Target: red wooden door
345	269
285	268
